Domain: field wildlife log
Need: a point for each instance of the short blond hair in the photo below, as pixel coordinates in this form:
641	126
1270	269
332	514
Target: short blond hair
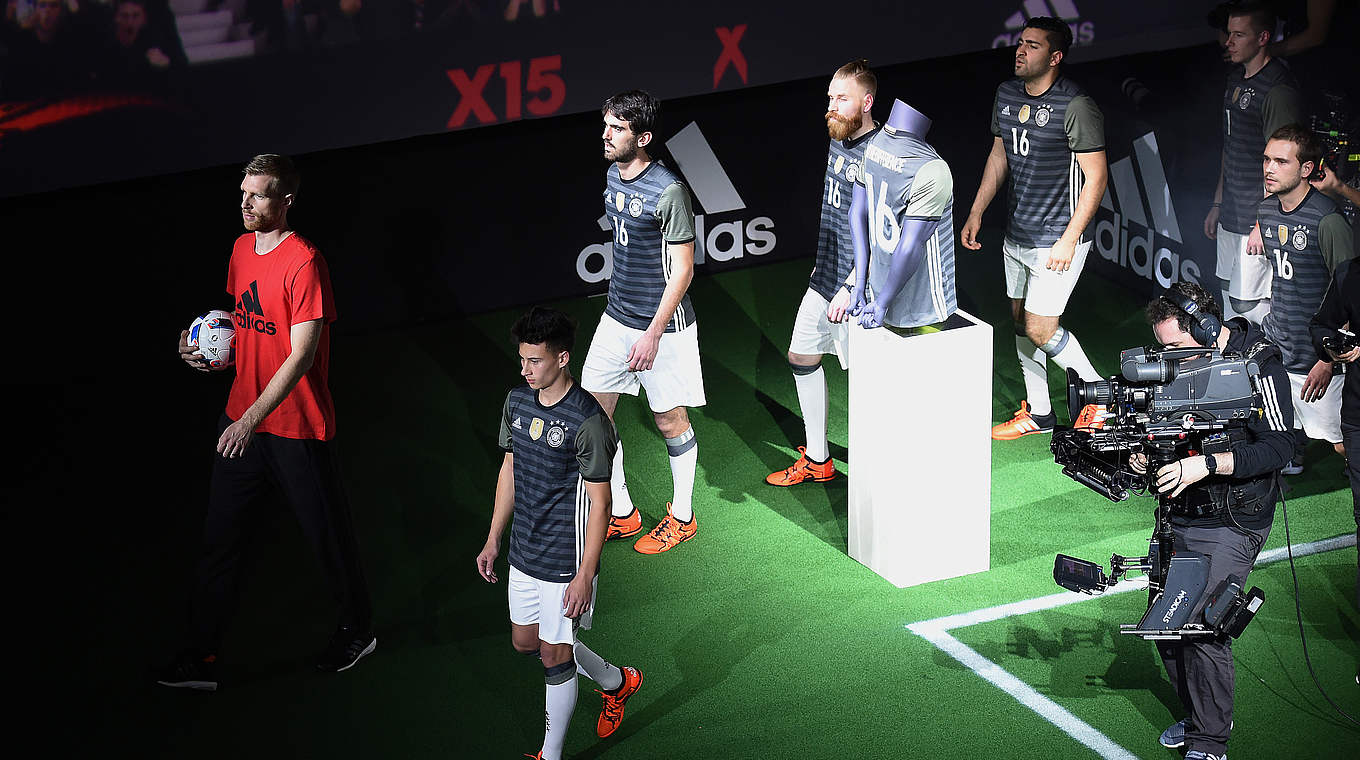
859	70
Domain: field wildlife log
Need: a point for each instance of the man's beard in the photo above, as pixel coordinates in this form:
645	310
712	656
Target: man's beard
840	127
625	155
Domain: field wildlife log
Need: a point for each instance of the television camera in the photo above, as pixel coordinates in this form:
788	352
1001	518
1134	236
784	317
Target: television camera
1166	404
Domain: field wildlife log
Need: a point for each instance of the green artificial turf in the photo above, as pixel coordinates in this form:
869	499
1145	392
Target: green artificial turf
759	638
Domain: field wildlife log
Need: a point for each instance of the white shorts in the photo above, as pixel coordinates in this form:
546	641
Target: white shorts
533	601
1320	419
1045	291
1248	276
675	378
814	334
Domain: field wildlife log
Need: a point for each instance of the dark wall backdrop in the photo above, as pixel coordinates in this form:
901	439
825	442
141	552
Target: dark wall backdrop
472	72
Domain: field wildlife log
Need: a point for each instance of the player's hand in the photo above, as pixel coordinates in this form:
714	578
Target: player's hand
190	353
1315	385
872	316
1060	255
157	59
643	353
486	562
577	599
1180	475
968	235
1255	245
1211	222
835	311
235	440
1138	462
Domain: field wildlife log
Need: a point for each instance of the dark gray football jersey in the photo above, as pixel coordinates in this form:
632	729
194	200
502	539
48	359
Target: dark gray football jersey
646	212
835	249
1042	134
557	450
1305	246
905	179
1253	108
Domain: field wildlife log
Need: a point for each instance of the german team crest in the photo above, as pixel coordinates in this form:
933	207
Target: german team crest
556	435
1300	239
1245	100
536	429
852	172
618	202
1042	115
635	206
1024	113
1284	234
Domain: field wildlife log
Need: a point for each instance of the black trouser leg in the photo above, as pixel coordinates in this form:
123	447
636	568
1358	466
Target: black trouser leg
234	495
1350	437
309	474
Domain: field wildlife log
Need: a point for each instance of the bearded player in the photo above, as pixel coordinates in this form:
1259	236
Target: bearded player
820	326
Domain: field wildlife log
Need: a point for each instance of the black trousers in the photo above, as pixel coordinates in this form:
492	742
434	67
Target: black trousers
307	474
1201	670
1350	437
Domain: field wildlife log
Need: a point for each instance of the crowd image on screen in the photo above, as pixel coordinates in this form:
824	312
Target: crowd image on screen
59	48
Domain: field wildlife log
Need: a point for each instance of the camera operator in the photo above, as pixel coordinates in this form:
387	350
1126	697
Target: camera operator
1341	309
1235	495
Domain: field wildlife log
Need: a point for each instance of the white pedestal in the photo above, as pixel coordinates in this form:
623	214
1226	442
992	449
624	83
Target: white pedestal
920	451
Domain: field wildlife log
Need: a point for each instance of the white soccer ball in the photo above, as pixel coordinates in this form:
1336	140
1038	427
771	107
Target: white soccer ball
214	335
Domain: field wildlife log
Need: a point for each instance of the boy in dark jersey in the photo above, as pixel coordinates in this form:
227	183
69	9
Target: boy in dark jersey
820	326
554	480
278	428
1049	139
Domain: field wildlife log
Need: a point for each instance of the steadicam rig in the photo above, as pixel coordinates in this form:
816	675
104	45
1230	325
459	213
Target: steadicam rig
1167	405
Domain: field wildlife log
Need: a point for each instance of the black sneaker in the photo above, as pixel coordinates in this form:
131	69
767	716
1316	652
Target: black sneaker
347	647
190	670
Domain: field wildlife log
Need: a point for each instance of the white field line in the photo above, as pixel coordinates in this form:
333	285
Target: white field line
937	632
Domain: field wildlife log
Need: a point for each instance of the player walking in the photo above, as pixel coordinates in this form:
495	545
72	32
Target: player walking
647	337
1049	139
554	481
820	327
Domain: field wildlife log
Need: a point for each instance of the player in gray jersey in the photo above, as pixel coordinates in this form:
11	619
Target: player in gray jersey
554	482
1306	238
1049	139
647	337
820	327
1261	96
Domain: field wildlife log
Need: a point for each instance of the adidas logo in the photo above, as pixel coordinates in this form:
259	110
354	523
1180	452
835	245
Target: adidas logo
517	424
1123	234
250	315
1083	32
698	164
1005	110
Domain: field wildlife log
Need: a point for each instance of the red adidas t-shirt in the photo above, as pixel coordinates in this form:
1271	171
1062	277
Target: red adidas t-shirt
273	292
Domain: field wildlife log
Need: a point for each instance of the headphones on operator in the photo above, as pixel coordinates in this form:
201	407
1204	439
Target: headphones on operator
1204	327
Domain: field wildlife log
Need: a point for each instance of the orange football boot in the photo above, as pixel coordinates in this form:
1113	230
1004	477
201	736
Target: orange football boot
611	715
803	469
623	527
1022	424
667	534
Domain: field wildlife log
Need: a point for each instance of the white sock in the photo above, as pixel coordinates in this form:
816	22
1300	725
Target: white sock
1065	351
684	451
1034	369
609	677
622	505
812	400
559	702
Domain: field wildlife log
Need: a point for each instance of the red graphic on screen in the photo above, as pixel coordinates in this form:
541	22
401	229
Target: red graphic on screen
543	83
731	53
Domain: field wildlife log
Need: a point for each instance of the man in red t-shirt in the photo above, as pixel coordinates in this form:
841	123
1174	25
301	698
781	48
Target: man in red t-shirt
277	429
